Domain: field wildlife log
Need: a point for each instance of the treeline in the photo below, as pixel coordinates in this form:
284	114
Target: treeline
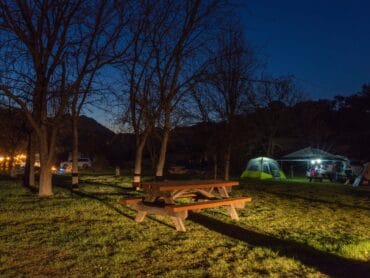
340	126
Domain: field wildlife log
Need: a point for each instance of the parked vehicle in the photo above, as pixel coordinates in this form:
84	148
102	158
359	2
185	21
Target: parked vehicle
83	163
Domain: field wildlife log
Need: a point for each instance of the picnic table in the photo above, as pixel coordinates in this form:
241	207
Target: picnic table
161	197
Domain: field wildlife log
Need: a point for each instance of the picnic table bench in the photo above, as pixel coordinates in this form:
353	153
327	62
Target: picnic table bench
161	198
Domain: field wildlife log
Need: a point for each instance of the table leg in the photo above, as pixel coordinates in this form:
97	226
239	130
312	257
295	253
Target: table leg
206	194
169	200
179	224
140	216
232	211
223	192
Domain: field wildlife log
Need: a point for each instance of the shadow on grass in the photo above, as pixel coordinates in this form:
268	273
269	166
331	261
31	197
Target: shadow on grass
314	200
103	201
361	191
113	185
64	183
348	192
32	189
109	193
110	206
326	263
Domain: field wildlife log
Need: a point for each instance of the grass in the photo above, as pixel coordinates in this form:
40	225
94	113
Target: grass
290	229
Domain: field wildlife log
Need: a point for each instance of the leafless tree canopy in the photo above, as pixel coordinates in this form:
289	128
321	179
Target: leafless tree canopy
48	49
167	56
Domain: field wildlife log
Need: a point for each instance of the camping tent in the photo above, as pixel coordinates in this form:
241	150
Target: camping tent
303	159
263	168
364	177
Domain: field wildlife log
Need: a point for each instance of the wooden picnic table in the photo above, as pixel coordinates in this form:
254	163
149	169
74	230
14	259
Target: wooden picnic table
172	190
160	197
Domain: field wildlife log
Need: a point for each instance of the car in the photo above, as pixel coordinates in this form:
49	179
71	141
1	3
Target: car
83	163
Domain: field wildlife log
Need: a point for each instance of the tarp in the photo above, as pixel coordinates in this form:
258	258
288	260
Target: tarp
312	153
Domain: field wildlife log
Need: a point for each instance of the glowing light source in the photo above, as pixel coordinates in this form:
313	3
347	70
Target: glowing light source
318	161
21	157
1	158
312	161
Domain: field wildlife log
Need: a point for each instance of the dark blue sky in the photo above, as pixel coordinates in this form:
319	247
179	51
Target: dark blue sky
324	44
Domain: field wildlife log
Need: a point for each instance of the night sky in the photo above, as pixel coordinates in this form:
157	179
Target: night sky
324	44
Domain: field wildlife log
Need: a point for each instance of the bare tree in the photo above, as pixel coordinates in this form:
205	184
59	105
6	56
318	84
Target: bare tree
165	59
230	75
43	43
77	103
179	57
274	97
138	70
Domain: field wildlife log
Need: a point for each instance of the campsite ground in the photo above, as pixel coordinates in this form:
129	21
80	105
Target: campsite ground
290	229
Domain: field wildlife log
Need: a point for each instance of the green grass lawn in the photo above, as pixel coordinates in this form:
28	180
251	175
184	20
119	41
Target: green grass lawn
290	229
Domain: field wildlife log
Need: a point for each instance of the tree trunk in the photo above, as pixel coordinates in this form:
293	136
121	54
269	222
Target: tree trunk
45	188
118	171
138	159
269	147
163	151
31	158
11	165
215	166
227	162
26	175
152	150
45	184
29	171
75	179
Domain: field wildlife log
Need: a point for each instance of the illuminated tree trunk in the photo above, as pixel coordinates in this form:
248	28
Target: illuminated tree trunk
45	189
47	141
163	150
45	186
139	159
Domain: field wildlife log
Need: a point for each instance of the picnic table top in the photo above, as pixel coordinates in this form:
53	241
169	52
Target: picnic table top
170	185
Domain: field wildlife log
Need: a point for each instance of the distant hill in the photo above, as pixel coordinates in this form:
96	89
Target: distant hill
91	125
94	138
